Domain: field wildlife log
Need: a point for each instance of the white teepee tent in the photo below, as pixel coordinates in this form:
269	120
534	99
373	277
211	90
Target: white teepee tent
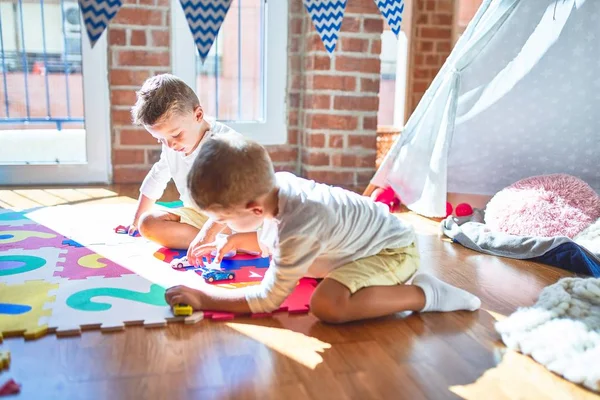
518	96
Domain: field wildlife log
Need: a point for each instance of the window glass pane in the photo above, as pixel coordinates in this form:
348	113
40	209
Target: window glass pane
41	85
230	83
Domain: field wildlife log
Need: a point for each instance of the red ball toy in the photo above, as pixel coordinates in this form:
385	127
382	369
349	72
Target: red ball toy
386	196
464	210
389	198
448	209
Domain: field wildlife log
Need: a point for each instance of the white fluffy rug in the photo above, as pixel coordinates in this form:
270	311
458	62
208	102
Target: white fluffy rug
561	331
590	238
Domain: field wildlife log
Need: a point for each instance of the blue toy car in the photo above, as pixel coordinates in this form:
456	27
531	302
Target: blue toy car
212	275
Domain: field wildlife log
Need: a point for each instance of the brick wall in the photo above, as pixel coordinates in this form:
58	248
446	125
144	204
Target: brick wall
430	42
332	102
138	47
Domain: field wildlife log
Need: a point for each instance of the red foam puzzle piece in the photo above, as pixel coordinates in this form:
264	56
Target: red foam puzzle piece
167	255
296	303
223	316
242	275
10	387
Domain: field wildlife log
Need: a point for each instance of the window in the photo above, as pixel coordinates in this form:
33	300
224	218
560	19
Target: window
243	80
213	65
392	90
54	99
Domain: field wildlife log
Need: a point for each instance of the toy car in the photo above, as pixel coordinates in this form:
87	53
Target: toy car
4	359
124	230
182	309
212	275
182	263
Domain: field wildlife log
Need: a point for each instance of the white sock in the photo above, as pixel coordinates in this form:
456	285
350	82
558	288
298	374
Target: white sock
440	296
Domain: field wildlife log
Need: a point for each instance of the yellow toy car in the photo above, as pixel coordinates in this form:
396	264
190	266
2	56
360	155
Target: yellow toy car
182	310
4	360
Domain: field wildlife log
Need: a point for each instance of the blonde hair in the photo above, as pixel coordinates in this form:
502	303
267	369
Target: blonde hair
160	97
230	171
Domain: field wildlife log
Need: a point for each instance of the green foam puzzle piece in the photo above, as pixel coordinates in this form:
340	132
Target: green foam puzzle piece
31	263
84	300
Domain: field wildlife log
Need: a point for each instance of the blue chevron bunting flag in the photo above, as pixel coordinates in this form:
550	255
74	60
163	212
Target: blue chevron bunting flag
327	16
392	12
96	16
205	18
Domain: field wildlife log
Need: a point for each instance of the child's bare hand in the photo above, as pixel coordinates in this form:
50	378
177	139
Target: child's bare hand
184	295
218	248
199	241
132	229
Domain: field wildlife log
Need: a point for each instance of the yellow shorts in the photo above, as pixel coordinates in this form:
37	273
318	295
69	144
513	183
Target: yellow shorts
189	216
387	268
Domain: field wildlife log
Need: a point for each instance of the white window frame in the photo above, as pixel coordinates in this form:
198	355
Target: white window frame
98	165
401	81
273	130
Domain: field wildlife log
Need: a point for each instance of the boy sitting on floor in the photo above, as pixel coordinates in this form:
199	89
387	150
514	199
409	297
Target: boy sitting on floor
170	111
364	253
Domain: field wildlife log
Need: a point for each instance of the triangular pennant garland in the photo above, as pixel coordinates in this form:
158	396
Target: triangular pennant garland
205	18
327	16
96	16
392	12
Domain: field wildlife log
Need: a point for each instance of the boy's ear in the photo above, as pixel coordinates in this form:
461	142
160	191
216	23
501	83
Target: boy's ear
198	113
256	208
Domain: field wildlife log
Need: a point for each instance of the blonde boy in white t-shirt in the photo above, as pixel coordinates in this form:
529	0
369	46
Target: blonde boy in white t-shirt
364	253
170	111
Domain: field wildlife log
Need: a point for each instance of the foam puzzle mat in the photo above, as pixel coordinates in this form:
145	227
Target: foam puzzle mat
63	269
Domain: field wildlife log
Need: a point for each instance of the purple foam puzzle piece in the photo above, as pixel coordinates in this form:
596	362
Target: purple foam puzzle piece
72	268
28	239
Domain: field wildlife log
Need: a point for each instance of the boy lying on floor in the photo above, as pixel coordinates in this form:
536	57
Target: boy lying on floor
364	253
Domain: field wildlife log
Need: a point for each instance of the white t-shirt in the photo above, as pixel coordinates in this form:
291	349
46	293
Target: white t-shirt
320	228
175	165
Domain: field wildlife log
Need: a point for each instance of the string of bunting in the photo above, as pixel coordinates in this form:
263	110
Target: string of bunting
327	17
96	16
205	18
392	12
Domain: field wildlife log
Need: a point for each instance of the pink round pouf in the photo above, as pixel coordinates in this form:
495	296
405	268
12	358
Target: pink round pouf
547	205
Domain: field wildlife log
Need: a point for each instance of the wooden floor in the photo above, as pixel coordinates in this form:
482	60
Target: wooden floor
428	356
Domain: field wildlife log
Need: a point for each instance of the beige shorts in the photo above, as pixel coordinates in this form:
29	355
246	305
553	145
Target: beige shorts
189	216
387	268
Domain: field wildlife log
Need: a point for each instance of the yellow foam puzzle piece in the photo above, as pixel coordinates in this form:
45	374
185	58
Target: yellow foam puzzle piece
30	324
4	359
91	261
17	236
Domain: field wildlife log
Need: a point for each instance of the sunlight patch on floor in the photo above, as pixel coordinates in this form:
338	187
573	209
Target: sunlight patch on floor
24	199
519	377
303	349
92	225
496	316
